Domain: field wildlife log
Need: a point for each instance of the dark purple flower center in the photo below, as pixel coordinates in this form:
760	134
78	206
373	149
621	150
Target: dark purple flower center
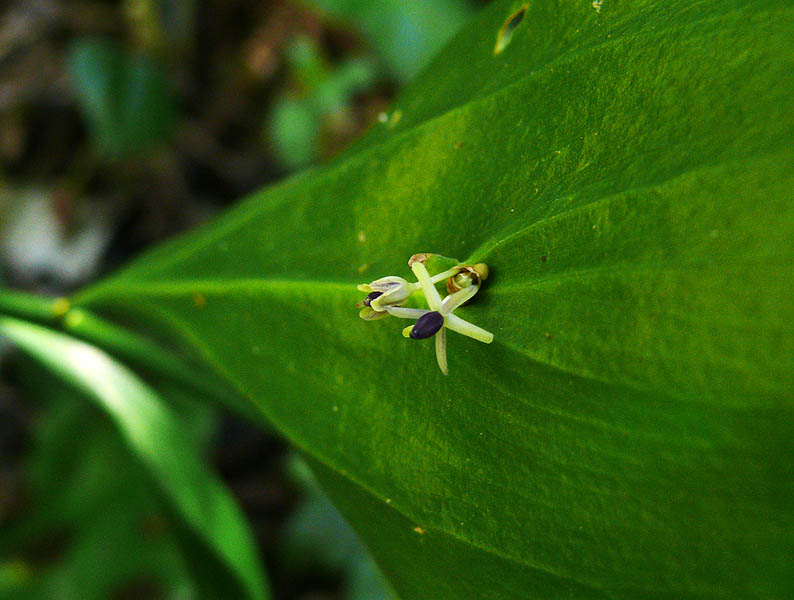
368	300
427	325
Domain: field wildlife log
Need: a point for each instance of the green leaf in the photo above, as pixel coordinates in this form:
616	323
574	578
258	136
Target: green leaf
157	437
317	538
626	172
92	508
406	33
126	99
295	123
294	129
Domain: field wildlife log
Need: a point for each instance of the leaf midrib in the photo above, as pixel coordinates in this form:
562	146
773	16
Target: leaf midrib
186	288
189	287
122	286
284	287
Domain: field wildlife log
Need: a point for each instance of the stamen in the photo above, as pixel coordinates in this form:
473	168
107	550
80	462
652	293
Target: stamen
405	313
453	301
441	351
427	325
371	297
445	275
431	293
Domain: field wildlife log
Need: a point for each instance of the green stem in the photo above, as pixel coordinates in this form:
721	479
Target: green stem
31	307
134	348
126	345
151	357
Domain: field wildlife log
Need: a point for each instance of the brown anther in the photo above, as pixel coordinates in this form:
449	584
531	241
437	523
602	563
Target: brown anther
482	270
467	275
420	258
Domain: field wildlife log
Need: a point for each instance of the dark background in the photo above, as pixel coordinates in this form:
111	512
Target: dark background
124	123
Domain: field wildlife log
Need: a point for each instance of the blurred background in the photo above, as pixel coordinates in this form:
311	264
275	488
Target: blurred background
121	124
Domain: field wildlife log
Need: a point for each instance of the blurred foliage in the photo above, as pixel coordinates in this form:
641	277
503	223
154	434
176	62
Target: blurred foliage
125	98
95	524
216	539
322	97
162	111
123	123
406	33
316	536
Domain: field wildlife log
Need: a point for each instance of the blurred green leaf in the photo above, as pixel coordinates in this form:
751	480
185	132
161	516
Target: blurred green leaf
406	33
316	537
306	62
295	129
365	581
158	439
296	123
626	171
129	347
341	85
126	99
95	523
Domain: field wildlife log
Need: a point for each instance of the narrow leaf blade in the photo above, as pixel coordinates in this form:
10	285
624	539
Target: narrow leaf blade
155	436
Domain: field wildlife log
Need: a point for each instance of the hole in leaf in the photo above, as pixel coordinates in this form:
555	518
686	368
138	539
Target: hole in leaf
506	32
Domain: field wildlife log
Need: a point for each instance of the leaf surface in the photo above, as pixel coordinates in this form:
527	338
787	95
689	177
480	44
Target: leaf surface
626	173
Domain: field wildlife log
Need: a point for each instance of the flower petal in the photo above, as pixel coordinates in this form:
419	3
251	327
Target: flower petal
455	300
462	327
441	351
405	313
431	293
368	314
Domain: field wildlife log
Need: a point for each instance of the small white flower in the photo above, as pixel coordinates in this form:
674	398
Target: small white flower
433	322
393	291
436	321
387	291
